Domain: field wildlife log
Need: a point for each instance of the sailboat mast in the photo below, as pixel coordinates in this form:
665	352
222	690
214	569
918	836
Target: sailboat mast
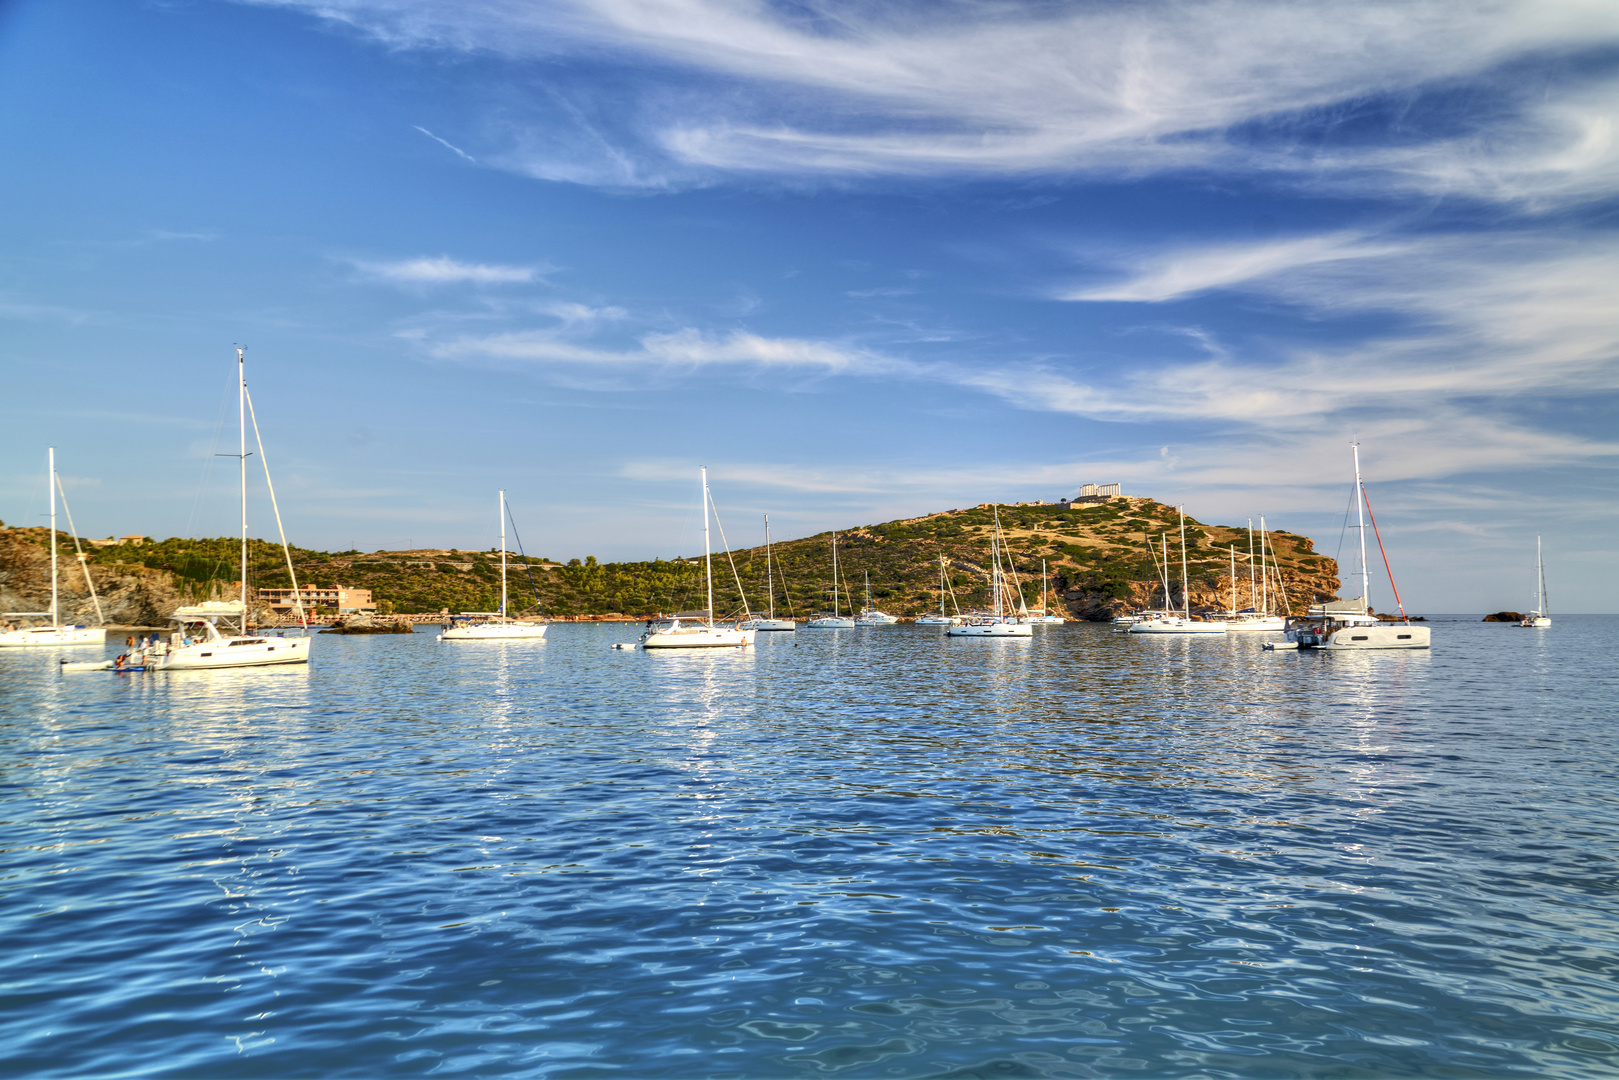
1233	579
1360	515
1540	564
1264	571
834	573
1043	587
708	559
770	581
241	410
994	572
502	509
1186	595
50	458
1168	600
1253	596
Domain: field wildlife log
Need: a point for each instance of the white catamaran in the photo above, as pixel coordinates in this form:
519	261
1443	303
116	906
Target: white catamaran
198	643
494	625
998	622
1542	615
699	632
1350	625
56	633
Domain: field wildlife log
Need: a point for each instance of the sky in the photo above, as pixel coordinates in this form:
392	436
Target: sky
862	260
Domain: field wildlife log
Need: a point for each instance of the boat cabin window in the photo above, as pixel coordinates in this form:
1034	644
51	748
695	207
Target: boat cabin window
1358	637
248	641
1403	637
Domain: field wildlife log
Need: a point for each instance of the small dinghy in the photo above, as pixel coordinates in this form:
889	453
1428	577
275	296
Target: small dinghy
86	665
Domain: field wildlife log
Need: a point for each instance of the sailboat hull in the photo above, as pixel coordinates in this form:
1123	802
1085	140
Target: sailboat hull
830	623
1176	626
991	630
496	632
770	624
52	636
234	653
1266	624
698	637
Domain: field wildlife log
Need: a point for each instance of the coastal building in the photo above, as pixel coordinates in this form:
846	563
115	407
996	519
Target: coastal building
1097	493
340	600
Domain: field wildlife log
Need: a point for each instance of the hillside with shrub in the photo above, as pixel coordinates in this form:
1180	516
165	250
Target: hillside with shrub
1097	557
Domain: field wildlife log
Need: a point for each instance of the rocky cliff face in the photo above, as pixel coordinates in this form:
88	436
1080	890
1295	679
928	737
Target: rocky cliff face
130	595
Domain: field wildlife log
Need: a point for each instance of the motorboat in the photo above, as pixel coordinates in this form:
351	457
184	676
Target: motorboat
1350	625
697	631
998	622
495	625
56	634
1168	622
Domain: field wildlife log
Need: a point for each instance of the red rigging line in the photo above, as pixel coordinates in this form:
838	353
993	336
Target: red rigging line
1380	551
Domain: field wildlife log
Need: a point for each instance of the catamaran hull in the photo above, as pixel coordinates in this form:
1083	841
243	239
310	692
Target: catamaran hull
701	638
935	620
261	652
1363	638
496	632
53	636
829	624
772	624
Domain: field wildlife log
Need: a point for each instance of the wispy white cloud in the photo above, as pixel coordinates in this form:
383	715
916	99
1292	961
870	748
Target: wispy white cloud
1181	273
443	270
446	144
1017	88
687	348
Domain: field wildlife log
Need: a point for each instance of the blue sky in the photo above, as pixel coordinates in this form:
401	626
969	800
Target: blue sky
862	260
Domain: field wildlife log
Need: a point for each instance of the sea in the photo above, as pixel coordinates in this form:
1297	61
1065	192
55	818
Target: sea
862	853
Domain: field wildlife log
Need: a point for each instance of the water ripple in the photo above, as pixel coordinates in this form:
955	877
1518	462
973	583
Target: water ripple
878	853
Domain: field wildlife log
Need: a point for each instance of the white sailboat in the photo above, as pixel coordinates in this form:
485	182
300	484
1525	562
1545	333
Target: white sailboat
1257	616
941	619
1167	622
56	634
698	632
870	616
1542	615
998	622
1045	618
1342	627
494	625
834	621
769	621
198	644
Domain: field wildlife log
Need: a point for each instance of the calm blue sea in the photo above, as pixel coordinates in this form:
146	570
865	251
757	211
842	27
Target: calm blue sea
871	853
